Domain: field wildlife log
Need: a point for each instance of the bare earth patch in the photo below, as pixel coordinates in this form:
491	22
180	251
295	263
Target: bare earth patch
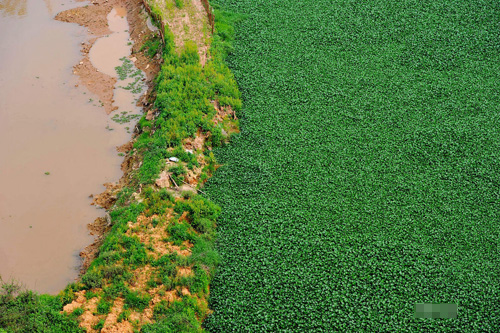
188	23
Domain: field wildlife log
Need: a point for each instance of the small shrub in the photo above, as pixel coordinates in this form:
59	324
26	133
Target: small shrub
152	282
180	316
77	312
203	225
199	283
109	257
152	46
187	194
160	310
92	279
136	252
103	306
179	4
181	232
67	295
216	137
177	174
90	294
189	54
124	315
99	325
135	301
112	272
163	194
115	290
124	196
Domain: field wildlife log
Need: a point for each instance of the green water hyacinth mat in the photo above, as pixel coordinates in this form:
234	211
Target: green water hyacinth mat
366	176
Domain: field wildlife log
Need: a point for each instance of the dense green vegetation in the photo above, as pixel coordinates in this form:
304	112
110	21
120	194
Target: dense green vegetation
365	178
25	311
185	90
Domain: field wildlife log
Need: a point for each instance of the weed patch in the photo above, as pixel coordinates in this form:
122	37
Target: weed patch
26	311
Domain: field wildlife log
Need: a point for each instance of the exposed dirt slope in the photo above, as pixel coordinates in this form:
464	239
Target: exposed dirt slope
187	23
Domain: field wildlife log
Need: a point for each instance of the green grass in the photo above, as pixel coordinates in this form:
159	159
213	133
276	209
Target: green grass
152	46
365	178
103	307
180	316
185	90
134	300
26	311
179	4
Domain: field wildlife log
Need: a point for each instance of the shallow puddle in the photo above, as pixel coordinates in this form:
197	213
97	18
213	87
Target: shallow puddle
108	55
105	54
58	146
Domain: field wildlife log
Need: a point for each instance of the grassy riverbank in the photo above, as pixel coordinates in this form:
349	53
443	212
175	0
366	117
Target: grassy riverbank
155	265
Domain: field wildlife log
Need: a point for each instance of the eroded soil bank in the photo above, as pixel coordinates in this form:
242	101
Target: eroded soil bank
62	144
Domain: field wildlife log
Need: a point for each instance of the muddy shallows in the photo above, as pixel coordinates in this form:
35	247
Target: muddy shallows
57	142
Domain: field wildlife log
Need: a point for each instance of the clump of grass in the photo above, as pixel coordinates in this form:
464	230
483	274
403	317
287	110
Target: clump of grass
124	315
90	294
177	174
99	325
135	300
77	312
26	311
92	279
103	306
180	316
179	4
152	46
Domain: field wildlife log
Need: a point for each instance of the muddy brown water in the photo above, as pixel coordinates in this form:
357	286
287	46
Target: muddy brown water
47	125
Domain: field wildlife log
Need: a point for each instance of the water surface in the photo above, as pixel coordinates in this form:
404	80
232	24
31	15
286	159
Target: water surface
56	146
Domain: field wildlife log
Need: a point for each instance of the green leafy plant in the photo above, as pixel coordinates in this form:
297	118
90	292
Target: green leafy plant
136	301
179	3
92	279
99	325
26	311
103	306
124	315
365	179
152	46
